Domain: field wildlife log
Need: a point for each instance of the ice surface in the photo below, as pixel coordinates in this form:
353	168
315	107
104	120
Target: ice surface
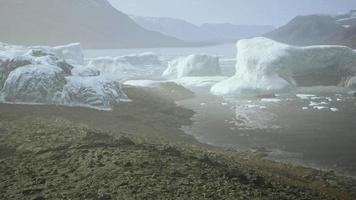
58	75
193	65
146	65
71	53
351	83
143	83
34	84
198	82
266	67
96	92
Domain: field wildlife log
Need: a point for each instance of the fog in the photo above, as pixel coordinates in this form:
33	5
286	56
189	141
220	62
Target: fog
241	12
177	99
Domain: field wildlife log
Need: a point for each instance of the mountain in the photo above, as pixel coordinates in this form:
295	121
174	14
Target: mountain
318	29
175	27
347	20
309	30
93	23
205	33
349	37
232	32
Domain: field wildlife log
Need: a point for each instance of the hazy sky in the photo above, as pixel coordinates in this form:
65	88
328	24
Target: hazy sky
274	12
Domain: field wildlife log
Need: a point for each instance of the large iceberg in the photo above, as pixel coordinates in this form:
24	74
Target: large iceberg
95	91
34	84
193	65
265	66
55	75
145	65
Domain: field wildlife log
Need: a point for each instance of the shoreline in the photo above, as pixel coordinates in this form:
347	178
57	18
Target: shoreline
54	135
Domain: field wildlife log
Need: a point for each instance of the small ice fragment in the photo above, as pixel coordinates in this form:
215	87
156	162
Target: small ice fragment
305	108
224	104
203	104
263	107
271	100
334	109
305	96
320	107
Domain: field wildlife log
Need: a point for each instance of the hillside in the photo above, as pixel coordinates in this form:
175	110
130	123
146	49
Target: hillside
175	27
93	23
200	33
309	30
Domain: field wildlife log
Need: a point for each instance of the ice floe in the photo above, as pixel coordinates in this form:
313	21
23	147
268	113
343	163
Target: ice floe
265	66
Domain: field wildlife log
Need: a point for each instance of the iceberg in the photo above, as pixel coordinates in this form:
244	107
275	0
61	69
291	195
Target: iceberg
193	65
71	53
265	66
198	81
145	65
35	84
95	92
55	75
351	83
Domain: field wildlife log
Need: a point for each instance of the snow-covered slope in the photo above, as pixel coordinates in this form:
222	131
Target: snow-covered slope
347	20
265	66
93	23
193	65
45	75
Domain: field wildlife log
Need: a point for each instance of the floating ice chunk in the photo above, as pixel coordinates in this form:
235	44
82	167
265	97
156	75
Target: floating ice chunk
34	84
193	65
143	83
351	83
304	108
198	82
266	67
124	68
97	92
71	53
320	107
46	75
271	100
305	96
334	109
85	71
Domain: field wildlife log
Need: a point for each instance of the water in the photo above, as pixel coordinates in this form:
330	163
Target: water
224	51
316	130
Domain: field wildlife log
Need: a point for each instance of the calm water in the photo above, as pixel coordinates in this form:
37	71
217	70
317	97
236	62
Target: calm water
317	130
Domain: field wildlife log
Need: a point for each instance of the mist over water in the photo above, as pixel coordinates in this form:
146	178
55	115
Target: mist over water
312	126
179	99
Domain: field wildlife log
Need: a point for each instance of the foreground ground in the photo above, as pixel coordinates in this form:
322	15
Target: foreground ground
49	152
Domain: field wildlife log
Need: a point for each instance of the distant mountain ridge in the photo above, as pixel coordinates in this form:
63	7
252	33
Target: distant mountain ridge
318	30
205	33
93	23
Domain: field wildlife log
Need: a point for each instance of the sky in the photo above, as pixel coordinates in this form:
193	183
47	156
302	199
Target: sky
241	12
